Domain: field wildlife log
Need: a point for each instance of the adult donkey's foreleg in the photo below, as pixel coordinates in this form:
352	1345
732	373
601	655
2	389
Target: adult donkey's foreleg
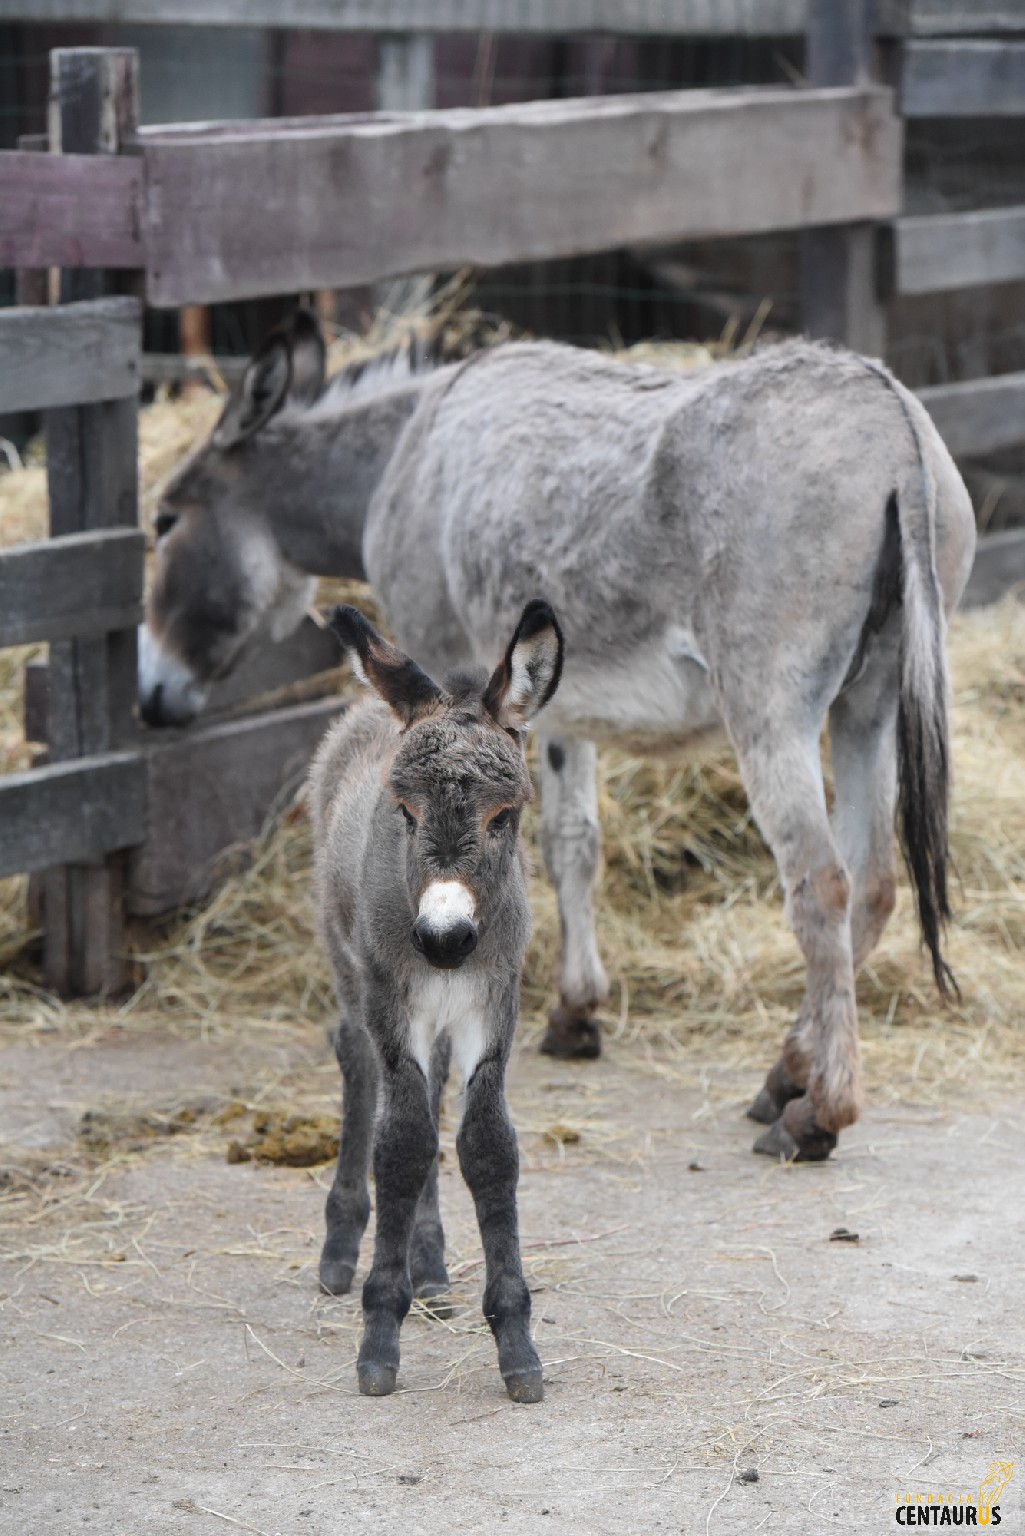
489	1160
571	844
348	1201
405	1147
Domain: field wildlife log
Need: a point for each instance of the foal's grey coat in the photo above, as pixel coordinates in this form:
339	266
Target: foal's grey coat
421	896
757	546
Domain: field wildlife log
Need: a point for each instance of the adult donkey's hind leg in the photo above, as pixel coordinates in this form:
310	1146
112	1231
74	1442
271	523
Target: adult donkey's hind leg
348	1201
862	726
782	774
571	844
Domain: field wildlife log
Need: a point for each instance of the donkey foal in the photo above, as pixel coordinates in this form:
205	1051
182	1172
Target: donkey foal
422	900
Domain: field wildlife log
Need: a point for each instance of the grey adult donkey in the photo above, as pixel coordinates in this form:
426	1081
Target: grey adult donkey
421	894
757	547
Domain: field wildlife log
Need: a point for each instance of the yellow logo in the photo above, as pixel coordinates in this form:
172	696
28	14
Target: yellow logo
954	1509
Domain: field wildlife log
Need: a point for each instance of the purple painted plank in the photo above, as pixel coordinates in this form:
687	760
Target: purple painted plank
70	210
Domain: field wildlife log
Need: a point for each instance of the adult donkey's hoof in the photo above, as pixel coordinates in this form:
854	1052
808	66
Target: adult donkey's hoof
764	1108
572	1035
525	1386
813	1145
376	1380
336	1276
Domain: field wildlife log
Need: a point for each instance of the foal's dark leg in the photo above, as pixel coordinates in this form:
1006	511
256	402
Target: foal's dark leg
348	1203
427	1249
405	1148
489	1159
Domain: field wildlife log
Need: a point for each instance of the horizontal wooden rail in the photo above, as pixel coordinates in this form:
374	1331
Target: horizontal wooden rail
667	18
963	79
71	813
70	210
80	585
958	250
211	787
938	18
999	567
659	17
979	415
75	355
234	215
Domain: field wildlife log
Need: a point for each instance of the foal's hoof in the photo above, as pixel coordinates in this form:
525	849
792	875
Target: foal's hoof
812	1146
765	1109
571	1035
376	1380
336	1276
525	1386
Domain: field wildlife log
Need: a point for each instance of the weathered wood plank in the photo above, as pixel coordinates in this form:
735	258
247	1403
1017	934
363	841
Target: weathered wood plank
177	368
681	17
935	18
999	566
85	584
69	210
958	250
92	476
838	279
963	79
71	813
212	787
74	355
333	207
979	415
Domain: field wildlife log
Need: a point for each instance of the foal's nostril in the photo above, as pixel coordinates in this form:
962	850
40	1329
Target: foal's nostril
445	947
464	938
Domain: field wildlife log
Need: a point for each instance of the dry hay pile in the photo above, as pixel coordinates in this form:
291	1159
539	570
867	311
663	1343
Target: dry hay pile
689	913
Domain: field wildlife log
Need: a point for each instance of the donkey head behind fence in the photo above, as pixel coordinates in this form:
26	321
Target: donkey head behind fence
422	900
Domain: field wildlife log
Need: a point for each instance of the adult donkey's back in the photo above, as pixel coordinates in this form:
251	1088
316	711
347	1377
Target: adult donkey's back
759	546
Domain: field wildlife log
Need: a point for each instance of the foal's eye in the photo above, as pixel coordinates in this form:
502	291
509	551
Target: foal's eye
408	817
163	523
501	820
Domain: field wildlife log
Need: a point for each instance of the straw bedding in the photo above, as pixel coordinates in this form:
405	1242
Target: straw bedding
689	913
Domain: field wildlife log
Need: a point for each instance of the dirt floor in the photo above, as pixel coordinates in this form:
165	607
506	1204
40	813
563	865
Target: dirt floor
716	1358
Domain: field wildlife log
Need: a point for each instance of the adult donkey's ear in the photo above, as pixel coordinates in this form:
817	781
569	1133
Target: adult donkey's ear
309	356
407	691
529	672
262	392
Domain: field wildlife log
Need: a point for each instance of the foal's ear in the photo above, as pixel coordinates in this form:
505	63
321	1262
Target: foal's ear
262	392
529	672
309	356
407	691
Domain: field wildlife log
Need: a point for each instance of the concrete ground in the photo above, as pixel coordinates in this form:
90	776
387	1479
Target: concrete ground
714	1361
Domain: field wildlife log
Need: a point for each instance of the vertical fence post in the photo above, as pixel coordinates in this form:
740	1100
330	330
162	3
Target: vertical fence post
92	472
839	299
405	83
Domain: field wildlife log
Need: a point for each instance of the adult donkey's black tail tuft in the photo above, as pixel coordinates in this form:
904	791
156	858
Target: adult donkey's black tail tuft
923	755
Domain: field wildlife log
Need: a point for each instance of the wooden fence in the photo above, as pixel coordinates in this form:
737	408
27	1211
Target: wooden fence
121	821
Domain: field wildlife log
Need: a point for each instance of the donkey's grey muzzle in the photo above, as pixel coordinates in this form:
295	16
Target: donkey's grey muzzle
447	947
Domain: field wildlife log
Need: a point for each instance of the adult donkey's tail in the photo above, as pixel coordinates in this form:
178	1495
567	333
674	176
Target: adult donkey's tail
922	735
